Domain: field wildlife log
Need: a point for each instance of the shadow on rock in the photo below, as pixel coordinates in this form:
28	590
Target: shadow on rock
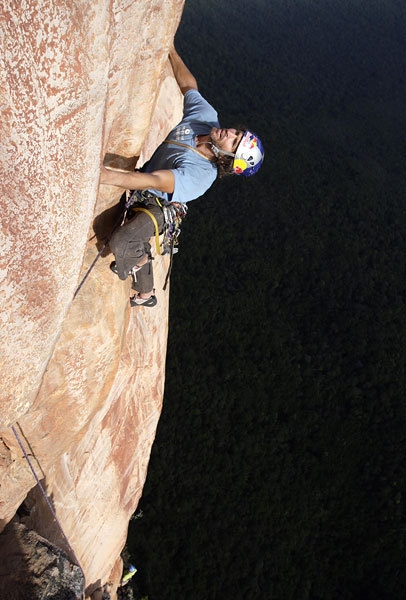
117	161
105	223
31	568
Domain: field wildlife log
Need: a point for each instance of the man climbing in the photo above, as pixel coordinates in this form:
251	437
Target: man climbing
195	153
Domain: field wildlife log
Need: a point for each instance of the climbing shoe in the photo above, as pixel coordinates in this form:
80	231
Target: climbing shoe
113	267
137	301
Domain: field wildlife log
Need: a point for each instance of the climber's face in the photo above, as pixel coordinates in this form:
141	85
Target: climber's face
226	139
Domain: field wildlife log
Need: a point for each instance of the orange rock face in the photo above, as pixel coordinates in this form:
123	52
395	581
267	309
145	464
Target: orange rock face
81	379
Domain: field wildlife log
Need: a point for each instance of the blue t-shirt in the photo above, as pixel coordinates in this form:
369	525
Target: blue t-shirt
194	174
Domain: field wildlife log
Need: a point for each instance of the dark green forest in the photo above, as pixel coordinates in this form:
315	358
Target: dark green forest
278	470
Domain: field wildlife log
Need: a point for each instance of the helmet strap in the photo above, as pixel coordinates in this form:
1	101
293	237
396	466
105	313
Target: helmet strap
218	151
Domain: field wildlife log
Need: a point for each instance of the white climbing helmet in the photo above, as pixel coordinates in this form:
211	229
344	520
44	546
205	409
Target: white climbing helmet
249	155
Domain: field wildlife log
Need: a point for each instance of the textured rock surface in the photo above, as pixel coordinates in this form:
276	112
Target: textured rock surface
31	568
81	380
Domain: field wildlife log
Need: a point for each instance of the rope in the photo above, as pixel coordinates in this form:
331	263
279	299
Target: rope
188	147
89	270
117	223
46	498
149	213
168	274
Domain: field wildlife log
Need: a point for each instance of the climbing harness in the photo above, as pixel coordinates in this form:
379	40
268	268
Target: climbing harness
173	213
20	443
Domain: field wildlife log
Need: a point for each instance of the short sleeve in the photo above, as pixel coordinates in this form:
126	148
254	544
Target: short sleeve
191	183
196	108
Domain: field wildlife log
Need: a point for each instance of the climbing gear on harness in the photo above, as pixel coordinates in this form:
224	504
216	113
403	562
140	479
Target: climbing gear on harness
137	301
173	213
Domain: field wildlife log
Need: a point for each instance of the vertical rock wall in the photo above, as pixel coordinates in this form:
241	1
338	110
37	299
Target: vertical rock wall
81	380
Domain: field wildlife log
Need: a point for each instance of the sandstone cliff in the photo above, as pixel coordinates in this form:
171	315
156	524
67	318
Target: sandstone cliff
81	379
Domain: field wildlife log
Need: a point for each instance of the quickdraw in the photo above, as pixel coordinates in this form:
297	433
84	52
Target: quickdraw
174	213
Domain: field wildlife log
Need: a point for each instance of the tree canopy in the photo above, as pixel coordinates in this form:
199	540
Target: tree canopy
278	469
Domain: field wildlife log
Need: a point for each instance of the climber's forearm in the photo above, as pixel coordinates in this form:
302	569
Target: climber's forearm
183	76
163	180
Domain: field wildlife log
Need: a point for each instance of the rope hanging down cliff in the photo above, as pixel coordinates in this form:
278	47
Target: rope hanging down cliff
20	443
117	223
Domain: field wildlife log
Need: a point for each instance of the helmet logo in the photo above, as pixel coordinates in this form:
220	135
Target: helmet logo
249	155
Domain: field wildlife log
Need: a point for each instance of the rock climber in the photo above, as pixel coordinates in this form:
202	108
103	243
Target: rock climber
129	573
195	153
